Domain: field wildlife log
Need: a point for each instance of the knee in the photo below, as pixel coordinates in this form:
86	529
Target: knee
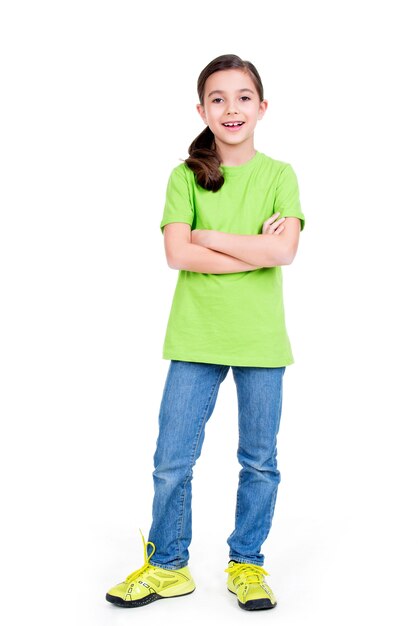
172	473
263	464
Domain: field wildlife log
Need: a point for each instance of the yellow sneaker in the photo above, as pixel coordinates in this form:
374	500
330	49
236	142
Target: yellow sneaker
150	583
247	582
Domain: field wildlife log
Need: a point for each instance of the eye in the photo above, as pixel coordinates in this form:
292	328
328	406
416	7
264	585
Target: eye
216	99
247	97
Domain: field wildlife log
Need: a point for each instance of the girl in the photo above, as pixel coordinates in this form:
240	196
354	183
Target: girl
222	230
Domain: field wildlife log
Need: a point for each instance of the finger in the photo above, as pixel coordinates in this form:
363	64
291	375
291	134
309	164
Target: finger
272	218
268	224
277	222
270	229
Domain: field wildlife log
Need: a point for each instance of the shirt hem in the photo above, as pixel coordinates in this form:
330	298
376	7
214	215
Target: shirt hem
225	361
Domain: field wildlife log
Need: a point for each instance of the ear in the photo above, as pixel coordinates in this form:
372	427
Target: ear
201	110
263	108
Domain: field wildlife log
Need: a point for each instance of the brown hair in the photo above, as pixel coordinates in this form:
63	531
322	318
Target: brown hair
204	160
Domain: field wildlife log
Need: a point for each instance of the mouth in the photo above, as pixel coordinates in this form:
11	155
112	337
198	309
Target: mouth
233	126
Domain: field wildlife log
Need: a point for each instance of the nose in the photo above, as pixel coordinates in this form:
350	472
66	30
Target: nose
233	109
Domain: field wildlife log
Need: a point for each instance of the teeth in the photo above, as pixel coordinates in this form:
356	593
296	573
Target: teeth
233	123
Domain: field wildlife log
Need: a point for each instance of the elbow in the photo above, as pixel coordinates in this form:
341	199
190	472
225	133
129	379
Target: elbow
279	251
174	257
291	253
285	256
175	261
179	257
176	240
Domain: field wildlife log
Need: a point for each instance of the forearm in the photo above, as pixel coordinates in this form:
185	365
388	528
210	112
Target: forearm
262	250
196	258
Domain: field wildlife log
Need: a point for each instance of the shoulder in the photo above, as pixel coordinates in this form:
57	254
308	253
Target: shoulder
182	170
274	162
181	177
276	167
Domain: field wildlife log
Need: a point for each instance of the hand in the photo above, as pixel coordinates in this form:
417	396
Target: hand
273	227
199	236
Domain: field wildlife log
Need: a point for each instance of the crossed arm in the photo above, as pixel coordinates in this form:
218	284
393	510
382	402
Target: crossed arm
216	252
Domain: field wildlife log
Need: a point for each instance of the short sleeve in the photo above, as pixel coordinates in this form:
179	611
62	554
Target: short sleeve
286	199
178	202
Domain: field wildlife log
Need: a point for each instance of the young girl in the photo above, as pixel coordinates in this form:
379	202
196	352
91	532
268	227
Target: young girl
232	218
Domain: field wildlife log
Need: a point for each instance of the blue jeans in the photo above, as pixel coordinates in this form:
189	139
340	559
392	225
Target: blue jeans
188	401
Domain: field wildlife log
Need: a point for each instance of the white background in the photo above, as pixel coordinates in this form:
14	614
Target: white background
97	106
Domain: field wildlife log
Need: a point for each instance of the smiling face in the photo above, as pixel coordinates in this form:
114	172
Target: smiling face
231	97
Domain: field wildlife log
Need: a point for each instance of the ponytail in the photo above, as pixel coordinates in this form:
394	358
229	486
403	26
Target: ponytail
204	161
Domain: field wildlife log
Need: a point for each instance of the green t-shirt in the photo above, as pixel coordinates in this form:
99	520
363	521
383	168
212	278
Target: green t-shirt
236	318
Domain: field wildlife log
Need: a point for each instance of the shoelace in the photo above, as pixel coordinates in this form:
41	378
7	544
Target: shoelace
142	569
252	573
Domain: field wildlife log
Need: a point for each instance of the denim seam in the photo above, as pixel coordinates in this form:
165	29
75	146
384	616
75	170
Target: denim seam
275	468
173	567
193	459
239	560
237	509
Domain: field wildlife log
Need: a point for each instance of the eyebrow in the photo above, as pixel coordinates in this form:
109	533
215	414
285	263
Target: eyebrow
219	91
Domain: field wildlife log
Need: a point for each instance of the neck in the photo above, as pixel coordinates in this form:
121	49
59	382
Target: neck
235	155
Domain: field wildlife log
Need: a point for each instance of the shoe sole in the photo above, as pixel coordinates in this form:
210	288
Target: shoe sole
130	604
255	605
